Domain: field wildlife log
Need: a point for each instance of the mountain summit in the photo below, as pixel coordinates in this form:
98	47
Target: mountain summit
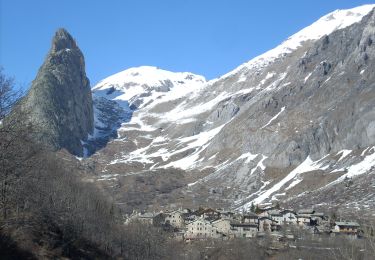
59	100
290	125
63	40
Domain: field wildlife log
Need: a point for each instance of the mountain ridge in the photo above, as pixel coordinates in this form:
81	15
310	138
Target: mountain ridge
247	134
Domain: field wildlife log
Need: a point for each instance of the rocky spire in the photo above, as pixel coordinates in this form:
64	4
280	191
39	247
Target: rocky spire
63	40
59	100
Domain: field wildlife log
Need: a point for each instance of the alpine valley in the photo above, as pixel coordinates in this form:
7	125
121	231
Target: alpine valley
294	125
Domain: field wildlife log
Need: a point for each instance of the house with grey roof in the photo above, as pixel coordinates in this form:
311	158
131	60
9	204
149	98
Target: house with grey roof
243	230
346	227
288	216
175	218
250	218
266	224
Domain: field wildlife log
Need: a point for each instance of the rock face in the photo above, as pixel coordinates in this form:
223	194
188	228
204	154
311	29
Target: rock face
289	125
59	100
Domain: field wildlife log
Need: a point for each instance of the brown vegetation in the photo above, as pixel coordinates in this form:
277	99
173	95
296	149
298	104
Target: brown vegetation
48	212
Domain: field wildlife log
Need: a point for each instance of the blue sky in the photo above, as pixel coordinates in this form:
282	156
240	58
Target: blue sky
207	37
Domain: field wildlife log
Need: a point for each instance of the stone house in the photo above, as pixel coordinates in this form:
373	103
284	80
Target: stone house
222	226
250	218
159	219
226	214
199	229
175	219
208	213
266	211
144	218
243	230
303	220
267	224
348	228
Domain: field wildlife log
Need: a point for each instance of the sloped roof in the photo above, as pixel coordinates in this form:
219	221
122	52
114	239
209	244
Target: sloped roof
147	215
239	224
274	213
303	216
306	211
347	223
263	218
250	215
318	214
287	210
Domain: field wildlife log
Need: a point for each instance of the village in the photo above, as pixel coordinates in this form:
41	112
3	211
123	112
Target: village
272	221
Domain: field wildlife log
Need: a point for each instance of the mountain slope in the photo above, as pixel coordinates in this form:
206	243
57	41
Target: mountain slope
297	118
59	100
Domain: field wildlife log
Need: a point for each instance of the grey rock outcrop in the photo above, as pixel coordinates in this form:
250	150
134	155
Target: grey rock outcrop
59	101
292	121
333	109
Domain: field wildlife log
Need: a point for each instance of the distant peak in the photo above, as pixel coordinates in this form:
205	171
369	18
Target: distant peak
63	40
326	25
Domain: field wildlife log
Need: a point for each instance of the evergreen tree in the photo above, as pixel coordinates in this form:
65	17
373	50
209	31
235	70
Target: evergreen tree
252	207
257	209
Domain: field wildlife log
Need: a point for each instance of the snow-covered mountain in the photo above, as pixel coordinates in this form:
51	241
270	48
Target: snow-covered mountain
143	85
289	125
329	23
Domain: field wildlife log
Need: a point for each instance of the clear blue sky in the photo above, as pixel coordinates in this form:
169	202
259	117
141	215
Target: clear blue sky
207	37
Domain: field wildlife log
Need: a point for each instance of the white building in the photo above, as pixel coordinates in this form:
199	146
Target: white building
288	216
276	216
303	220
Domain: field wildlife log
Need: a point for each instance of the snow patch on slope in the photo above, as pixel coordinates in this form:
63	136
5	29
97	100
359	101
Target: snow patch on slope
307	166
343	153
273	118
248	156
366	165
200	143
